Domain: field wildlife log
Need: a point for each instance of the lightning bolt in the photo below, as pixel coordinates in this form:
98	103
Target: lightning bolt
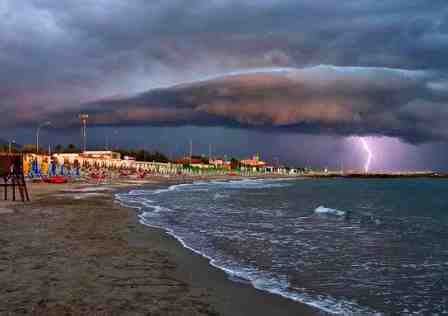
369	153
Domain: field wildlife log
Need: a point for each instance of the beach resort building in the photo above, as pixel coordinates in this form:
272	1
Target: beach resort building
195	162
96	159
221	164
101	154
89	160
253	164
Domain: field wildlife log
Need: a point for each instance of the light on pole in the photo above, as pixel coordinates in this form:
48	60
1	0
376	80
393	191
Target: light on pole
47	123
10	145
191	150
83	118
114	141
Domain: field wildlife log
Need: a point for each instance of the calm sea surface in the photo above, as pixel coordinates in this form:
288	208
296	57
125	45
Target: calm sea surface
345	246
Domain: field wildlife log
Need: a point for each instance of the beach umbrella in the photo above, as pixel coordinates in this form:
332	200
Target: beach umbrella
38	168
35	168
53	168
69	170
30	168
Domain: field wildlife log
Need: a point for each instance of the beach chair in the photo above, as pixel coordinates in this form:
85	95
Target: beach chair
98	176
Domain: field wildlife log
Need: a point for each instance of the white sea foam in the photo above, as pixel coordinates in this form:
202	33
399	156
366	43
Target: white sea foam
160	209
87	195
139	192
87	189
255	184
204	186
171	188
5	211
331	211
159	191
217	196
265	282
81	195
261	280
274	285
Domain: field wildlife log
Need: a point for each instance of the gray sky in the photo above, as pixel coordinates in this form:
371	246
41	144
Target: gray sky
317	73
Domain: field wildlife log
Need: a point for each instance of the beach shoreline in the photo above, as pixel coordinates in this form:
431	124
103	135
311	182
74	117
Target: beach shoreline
89	254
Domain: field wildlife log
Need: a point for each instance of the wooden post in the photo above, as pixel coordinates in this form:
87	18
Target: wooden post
24	188
5	188
13	180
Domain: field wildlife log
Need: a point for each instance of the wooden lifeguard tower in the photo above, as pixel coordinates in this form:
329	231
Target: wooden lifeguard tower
11	172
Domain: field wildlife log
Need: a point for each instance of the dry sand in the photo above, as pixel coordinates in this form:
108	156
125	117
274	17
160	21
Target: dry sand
74	251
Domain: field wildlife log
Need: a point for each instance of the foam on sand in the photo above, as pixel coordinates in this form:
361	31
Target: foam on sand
87	190
81	195
5	211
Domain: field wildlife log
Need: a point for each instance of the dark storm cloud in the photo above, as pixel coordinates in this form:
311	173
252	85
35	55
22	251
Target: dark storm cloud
322	99
55	55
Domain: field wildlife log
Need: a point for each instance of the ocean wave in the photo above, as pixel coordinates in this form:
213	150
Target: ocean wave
169	189
156	210
256	184
296	245
87	190
260	280
150	210
217	196
265	282
331	211
138	192
202	186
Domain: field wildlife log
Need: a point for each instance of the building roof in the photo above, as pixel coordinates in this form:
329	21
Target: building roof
253	162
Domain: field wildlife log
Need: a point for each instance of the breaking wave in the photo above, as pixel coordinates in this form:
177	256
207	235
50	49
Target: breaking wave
331	211
263	280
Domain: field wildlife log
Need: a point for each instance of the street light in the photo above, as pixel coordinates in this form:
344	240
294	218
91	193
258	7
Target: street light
38	132
83	118
10	145
114	141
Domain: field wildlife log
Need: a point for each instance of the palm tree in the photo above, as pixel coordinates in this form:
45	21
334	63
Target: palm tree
72	148
59	148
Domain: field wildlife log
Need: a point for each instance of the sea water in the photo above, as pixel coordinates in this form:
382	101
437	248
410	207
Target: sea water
344	246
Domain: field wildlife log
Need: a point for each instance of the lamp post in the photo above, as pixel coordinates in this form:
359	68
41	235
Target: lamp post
83	118
10	145
114	141
38	132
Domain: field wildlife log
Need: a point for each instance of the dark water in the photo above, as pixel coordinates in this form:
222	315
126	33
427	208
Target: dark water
344	246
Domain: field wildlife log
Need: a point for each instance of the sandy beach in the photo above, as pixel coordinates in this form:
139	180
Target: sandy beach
74	251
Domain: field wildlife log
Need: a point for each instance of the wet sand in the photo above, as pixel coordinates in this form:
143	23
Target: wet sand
74	251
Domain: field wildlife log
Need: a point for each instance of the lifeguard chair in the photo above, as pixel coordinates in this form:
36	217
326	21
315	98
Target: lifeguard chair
11	171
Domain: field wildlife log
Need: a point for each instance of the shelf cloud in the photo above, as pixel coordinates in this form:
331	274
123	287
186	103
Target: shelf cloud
317	100
361	67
